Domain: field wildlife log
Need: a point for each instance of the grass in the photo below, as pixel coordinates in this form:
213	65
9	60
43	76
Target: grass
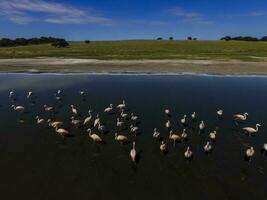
145	49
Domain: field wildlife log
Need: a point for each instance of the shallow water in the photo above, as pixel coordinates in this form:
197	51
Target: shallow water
37	164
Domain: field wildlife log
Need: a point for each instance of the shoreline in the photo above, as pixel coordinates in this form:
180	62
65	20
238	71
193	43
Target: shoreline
181	66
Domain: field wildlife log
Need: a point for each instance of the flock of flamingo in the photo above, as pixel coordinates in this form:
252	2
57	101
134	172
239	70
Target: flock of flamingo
91	122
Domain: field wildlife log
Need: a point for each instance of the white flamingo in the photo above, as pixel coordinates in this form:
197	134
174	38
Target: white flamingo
18	108
123	115
63	132
188	153
119	123
167	111
193	115
74	110
122	106
219	112
121	138
201	126
48	108
163	146
250	152
264	147
134	129
97	120
156	134
212	135
183	120
11	94
168	124
30	93
39	120
54	124
87	120
109	109
174	137
133	153
240	117
75	122
207	147
94	137
134	117
251	130
184	134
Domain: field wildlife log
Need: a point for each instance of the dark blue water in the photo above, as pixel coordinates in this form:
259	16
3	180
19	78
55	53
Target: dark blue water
36	163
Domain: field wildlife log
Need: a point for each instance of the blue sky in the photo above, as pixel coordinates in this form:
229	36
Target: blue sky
132	19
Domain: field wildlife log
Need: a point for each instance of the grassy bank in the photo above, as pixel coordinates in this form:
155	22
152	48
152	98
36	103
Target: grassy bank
145	49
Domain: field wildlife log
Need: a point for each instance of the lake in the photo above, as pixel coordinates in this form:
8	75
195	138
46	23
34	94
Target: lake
36	163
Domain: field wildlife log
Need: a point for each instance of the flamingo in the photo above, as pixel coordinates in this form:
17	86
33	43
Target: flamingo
183	120
122	106
119	123
109	109
156	134
207	147
134	129
48	108
133	117
11	93
133	153
193	116
30	93
188	153
18	108
74	110
121	138
212	135
167	111
250	152
264	147
88	119
39	120
174	137
82	93
54	124
219	113
168	124
201	126
251	130
97	120
63	132
184	134
240	117
123	115
94	137
75	122
163	146
101	127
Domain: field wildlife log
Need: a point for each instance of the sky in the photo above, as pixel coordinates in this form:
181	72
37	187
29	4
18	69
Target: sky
132	19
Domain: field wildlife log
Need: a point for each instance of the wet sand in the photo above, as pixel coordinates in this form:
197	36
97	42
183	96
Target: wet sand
64	65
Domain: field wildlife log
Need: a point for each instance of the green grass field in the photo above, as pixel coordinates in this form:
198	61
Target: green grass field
145	49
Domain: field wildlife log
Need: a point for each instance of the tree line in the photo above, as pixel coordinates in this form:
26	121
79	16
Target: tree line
57	42
244	38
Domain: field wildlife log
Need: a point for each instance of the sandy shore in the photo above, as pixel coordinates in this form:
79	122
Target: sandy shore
63	65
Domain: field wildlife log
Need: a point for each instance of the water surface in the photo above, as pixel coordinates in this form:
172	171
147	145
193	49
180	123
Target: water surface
37	164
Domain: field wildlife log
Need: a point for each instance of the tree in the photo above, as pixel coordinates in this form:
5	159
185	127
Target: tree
263	38
60	43
159	38
226	38
87	41
170	38
189	38
194	38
